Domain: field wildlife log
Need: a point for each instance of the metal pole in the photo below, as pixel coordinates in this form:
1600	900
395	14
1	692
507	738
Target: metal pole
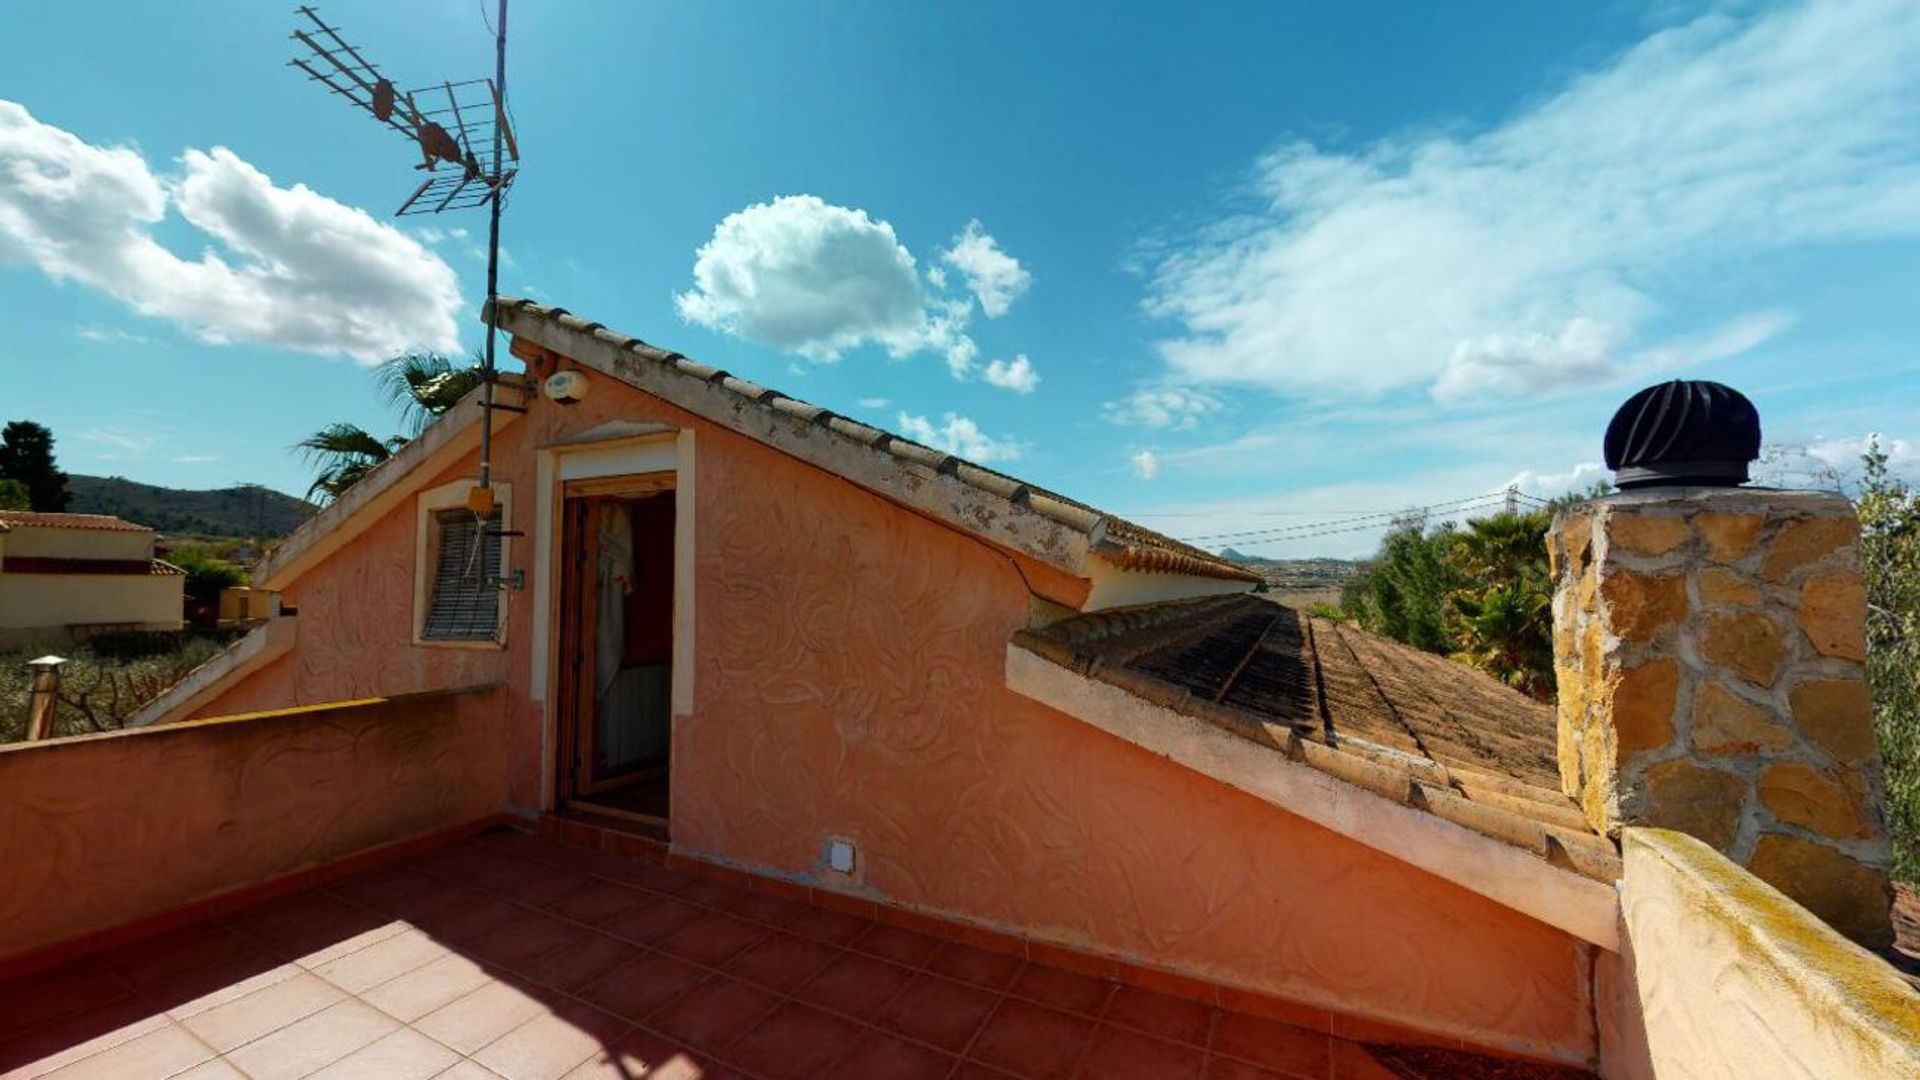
493	251
45	695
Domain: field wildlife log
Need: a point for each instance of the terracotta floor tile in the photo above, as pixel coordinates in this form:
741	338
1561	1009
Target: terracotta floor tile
761	907
652	921
713	940
794	1042
387	888
855	984
978	966
712	892
303	922
879	1054
1031	1040
1352	1062
68	1039
381	961
468	1023
1062	989
580	962
1221	1068
468	1069
1160	1014
336	945
402	1055
172	955
552	1043
216	1069
642	1053
234	1023
517	944
541	886
895	944
33	1000
309	1045
1274	1045
639	987
470	921
832	927
714	1013
207	988
1124	1054
426	988
165	1050
782	961
598	900
939	1011
649	875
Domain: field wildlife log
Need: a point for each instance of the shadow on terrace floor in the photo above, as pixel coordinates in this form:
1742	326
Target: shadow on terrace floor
506	955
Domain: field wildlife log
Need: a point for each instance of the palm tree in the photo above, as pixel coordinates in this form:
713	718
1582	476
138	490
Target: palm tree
423	384
345	453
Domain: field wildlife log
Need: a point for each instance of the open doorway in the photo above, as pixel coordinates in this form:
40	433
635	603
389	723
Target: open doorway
616	660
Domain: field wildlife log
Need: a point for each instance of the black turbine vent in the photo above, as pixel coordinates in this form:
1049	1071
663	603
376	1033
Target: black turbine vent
1683	433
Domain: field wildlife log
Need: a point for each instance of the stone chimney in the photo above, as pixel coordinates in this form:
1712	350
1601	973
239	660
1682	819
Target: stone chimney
1709	644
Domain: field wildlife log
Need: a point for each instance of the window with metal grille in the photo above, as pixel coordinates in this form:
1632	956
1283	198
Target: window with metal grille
465	604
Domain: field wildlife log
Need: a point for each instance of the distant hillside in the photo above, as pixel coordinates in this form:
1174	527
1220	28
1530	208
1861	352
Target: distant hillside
1298	580
248	510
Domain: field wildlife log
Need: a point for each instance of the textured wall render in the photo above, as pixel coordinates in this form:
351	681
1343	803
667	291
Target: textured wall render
851	683
101	830
1737	981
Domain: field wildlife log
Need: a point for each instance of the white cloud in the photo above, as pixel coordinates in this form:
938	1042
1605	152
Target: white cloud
799	273
1827	462
1534	253
194	459
1146	465
874	403
1016	375
289	267
105	334
993	276
1175	407
1553	485
958	435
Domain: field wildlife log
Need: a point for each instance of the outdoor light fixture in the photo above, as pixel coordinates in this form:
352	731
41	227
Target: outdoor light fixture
565	387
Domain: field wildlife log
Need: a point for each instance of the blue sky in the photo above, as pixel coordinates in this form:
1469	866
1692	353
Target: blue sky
1221	267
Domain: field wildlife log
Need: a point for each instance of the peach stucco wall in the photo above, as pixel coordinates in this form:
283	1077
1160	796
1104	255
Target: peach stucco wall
848	682
103	830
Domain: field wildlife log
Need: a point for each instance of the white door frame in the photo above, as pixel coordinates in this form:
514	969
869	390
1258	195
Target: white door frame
662	450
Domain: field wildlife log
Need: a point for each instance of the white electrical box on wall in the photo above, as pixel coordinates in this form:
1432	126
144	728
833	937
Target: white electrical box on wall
840	855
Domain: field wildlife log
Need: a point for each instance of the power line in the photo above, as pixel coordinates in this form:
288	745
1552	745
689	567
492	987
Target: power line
1453	504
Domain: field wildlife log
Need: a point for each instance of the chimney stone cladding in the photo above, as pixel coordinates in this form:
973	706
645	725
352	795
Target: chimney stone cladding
1709	648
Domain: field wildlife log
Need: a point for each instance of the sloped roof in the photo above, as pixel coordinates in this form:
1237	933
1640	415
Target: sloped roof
1121	542
42	520
1419	729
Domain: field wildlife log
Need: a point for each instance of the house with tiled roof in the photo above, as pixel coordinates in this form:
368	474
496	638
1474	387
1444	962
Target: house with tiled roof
68	573
728	733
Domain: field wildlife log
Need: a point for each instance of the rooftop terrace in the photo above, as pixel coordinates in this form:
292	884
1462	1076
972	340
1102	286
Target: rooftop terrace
508	955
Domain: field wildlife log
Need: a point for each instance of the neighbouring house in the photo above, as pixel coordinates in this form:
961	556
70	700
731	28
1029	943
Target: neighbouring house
82	573
804	659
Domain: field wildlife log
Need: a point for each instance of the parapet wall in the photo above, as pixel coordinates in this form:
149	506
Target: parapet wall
1732	979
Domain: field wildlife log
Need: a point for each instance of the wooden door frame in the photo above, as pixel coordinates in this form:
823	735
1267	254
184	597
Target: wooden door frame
573	668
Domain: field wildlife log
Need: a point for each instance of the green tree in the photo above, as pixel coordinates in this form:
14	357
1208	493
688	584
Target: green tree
207	574
1890	559
424	385
26	455
1401	593
1502	609
14	496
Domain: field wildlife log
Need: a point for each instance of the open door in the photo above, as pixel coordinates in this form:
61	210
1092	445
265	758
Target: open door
616	662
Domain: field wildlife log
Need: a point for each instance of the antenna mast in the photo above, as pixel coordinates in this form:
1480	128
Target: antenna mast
467	149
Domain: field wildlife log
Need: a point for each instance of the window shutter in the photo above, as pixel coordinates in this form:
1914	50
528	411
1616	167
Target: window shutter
466	594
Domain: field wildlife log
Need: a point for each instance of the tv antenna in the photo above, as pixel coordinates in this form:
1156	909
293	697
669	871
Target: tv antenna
464	134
